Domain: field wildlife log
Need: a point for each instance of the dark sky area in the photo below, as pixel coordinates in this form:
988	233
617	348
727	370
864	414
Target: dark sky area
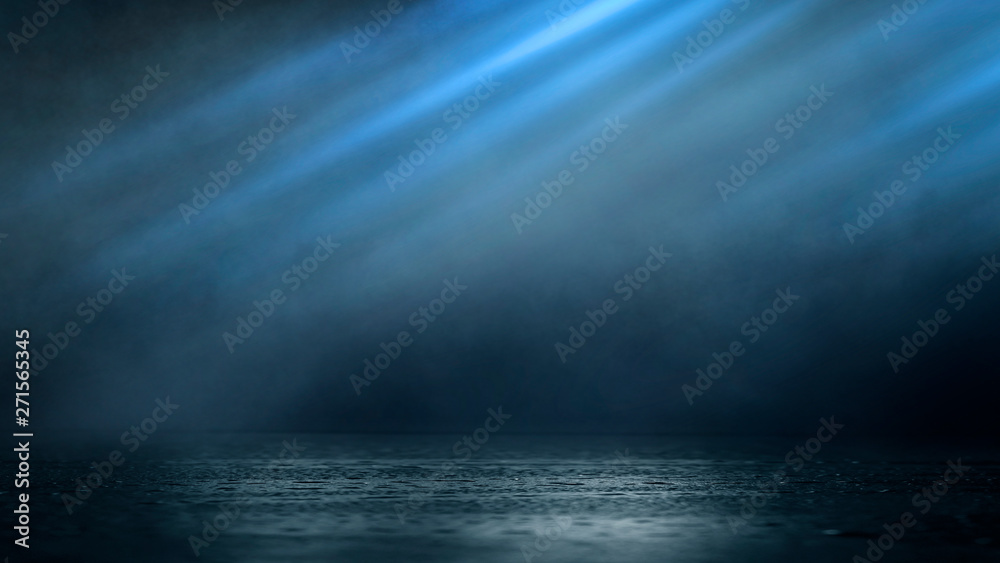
370	176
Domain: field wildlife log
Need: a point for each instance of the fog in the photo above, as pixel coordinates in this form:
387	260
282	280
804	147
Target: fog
413	167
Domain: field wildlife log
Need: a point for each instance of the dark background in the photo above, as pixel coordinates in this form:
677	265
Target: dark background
494	346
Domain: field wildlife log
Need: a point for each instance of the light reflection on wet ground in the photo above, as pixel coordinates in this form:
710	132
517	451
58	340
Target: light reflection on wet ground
627	498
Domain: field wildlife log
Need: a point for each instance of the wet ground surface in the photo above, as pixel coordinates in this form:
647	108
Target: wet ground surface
544	499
